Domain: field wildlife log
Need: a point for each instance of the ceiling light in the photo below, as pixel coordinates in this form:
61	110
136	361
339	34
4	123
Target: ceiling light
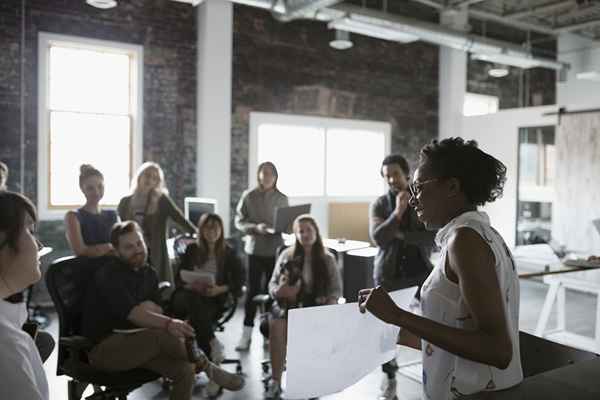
103	4
589	76
192	2
342	40
498	71
372	30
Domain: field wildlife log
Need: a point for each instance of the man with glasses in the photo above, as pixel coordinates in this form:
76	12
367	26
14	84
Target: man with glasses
404	244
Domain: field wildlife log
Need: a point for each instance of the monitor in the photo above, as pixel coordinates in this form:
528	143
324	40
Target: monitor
194	207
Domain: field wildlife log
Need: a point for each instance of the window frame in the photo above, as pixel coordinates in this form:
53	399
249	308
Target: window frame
319	203
46	210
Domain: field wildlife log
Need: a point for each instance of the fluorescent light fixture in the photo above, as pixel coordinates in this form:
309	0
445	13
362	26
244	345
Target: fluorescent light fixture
342	40
506	59
372	30
103	4
192	2
589	76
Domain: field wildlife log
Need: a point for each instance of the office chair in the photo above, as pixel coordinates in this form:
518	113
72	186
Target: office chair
67	279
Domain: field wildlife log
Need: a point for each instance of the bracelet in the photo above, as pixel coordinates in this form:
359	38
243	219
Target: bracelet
169	321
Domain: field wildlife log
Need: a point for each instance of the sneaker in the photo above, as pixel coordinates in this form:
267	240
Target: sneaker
388	389
201	379
222	378
245	340
213	390
274	390
217	351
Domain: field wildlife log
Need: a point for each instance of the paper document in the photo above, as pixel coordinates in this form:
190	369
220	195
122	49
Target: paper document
332	347
193	276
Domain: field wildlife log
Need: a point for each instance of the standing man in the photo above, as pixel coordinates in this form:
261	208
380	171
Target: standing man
404	245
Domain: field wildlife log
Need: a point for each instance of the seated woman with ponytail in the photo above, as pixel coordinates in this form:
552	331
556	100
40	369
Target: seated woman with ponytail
305	275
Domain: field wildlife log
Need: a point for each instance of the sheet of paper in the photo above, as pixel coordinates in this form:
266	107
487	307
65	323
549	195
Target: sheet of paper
332	347
192	276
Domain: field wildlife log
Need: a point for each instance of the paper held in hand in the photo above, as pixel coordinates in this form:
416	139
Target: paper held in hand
193	276
332	347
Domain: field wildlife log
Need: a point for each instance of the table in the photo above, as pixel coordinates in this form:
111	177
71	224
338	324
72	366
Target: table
577	381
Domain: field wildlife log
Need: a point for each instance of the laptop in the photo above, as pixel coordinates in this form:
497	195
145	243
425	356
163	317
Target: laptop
285	216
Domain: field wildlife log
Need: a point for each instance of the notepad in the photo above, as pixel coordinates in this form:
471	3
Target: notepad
193	276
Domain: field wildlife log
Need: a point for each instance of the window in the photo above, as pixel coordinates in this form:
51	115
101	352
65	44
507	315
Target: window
479	104
320	159
89	112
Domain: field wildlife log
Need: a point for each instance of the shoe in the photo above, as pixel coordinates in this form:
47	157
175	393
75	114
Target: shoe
388	389
222	378
274	391
213	390
217	351
245	340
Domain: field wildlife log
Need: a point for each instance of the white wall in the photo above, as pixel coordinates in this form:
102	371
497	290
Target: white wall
583	55
215	35
498	135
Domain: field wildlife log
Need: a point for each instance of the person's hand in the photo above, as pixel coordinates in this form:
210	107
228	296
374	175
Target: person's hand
379	303
287	292
402	199
213	291
151	306
180	329
200	286
261	229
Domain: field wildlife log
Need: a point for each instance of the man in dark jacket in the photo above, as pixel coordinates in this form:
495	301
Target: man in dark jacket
404	245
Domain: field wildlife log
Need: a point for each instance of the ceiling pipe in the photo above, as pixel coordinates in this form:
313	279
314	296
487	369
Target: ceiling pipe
426	31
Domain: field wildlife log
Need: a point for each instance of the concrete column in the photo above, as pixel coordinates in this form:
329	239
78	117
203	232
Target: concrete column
215	33
452	78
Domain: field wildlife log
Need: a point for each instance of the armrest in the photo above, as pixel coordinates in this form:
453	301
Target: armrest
261	299
79	343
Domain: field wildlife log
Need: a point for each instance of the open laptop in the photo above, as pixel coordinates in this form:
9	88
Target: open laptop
584	262
285	216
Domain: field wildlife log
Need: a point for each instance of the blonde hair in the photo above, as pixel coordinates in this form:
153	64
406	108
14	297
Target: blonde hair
135	182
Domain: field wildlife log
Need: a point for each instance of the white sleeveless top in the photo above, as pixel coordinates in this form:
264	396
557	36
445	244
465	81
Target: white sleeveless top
445	375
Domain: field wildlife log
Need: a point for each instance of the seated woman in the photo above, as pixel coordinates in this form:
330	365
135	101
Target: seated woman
202	301
469	331
22	375
305	274
88	228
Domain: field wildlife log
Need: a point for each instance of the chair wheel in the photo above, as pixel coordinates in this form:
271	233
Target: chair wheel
238	369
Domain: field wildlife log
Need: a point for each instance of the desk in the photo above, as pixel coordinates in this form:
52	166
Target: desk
578	381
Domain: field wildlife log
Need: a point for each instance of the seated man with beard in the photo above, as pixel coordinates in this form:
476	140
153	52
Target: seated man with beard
122	317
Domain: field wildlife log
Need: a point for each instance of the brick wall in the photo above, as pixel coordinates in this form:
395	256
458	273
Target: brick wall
290	68
166	29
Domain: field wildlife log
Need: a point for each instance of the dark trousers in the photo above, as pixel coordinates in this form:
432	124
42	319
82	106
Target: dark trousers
260	270
202	313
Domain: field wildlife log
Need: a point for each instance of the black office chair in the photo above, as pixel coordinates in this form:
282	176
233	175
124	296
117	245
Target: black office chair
179	247
67	279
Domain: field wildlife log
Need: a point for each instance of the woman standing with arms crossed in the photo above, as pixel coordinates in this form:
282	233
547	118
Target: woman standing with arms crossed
151	207
254	216
88	228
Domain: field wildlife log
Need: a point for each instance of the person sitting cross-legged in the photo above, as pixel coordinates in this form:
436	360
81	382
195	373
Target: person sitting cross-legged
122	317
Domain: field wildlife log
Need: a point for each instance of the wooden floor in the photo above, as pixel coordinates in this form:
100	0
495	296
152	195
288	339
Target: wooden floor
580	318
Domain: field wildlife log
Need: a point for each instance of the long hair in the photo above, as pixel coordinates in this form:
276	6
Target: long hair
321	278
206	219
273	168
13	208
135	182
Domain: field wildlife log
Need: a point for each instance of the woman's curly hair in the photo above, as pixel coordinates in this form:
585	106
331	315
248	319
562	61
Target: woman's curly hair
481	176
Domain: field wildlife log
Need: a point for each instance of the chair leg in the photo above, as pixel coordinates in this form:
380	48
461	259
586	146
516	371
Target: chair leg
75	389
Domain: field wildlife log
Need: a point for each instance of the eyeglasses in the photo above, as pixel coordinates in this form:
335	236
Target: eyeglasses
416	187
